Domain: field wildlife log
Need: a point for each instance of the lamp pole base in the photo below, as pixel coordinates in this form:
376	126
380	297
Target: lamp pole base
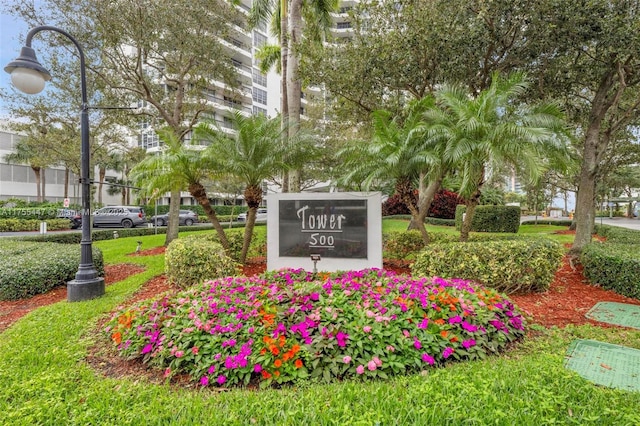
80	290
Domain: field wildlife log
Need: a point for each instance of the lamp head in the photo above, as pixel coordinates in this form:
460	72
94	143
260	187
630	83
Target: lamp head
26	72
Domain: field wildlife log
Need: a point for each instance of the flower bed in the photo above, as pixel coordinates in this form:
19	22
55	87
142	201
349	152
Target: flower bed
286	326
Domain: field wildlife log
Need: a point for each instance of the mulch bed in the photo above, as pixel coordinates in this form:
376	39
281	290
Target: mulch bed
567	301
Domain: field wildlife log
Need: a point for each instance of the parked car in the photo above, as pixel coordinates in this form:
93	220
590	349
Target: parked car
186	217
74	217
124	216
261	216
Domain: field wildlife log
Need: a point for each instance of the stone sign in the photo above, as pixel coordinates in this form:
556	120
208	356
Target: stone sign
343	230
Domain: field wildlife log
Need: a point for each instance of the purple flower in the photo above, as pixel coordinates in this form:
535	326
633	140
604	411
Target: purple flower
447	352
257	368
342	339
221	379
360	369
428	359
469	327
211	369
204	381
148	349
424	323
455	320
468	343
417	344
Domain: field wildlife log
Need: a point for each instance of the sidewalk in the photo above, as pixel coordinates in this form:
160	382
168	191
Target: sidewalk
622	222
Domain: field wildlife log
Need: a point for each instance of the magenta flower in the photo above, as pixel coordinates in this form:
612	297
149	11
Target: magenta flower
211	369
257	368
417	344
469	327
371	365
346	359
366	329
148	349
204	381
424	323
428	359
468	343
167	372
455	320
342	339
179	354
221	380
447	352
360	369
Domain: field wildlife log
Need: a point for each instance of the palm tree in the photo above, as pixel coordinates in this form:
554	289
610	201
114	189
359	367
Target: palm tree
253	154
491	130
399	151
287	24
175	168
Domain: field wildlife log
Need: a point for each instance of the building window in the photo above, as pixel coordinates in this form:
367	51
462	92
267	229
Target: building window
259	95
259	39
259	78
257	110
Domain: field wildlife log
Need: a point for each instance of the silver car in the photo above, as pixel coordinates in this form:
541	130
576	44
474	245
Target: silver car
186	217
119	216
261	216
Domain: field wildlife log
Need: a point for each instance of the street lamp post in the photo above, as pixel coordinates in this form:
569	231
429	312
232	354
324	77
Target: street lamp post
29	77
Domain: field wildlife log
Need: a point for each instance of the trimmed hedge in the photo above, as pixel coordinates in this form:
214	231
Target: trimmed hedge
616	234
195	259
491	218
614	266
234	211
39	213
545	221
428	220
510	266
405	245
21	225
28	269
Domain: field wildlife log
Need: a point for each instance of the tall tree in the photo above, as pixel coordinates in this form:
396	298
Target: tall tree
254	154
493	129
138	49
178	166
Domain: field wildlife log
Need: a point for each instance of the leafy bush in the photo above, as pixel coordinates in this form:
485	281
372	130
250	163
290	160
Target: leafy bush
286	327
394	205
491	218
192	259
615	234
444	204
150	210
21	225
614	266
27	269
542	221
521	265
405	245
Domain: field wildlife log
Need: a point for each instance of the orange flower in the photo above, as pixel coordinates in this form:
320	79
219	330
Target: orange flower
275	351
454	339
298	363
276	373
439	321
263	351
266	374
267	339
287	356
281	340
277	363
117	337
444	333
295	349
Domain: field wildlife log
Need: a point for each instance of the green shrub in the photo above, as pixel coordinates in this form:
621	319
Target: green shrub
491	218
544	221
150	210
405	245
21	225
618	235
614	266
196	258
522	265
28	269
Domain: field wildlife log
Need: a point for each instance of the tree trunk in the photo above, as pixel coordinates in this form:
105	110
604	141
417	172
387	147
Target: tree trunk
253	196
36	172
284	102
198	192
294	85
43	183
404	189
471	204
66	182
102	171
174	211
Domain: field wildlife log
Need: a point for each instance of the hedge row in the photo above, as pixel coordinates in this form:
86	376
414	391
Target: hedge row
39	213
491	218
20	225
615	263
28	269
150	210
509	265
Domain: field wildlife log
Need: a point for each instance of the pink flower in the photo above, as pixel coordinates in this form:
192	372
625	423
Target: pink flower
424	323
406	333
371	365
204	381
167	372
179	354
147	348
377	361
417	344
447	352
366	329
221	380
194	350
346	359
257	368
212	369
360	369
468	343
391	348
428	359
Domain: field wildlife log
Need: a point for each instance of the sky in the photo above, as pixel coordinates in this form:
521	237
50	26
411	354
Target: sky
12	31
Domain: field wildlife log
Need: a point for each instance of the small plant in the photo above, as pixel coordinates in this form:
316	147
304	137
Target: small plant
195	258
287	326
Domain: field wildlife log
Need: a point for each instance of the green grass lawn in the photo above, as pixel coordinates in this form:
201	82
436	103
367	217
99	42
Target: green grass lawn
44	379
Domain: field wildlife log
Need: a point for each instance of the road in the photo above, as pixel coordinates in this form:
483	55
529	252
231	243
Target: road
622	222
